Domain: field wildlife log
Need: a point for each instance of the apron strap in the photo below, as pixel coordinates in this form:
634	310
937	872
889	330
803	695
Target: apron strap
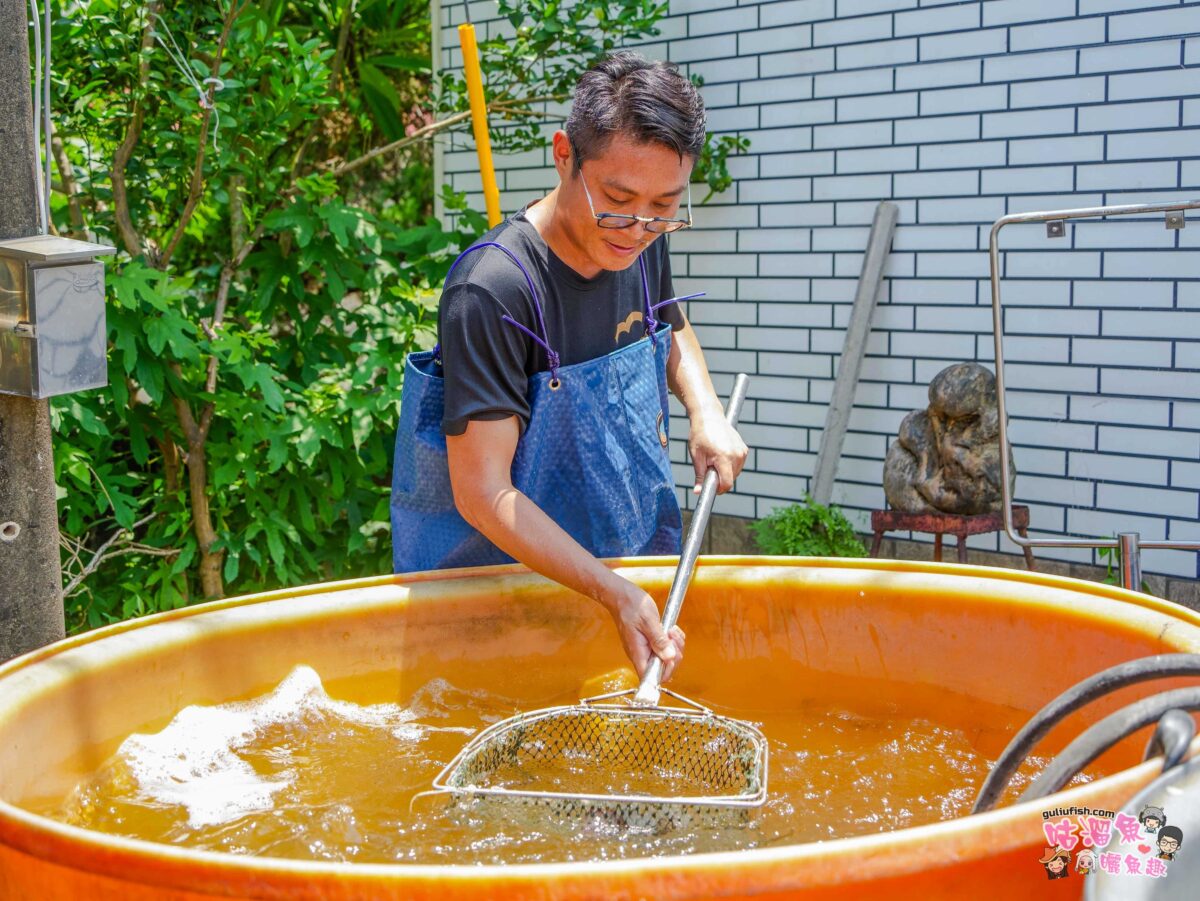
544	338
663	303
651	309
651	322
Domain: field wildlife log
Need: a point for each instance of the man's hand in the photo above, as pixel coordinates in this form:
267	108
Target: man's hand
642	634
480	474
715	444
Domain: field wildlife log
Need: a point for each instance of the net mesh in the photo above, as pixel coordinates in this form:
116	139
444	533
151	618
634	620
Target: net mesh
652	768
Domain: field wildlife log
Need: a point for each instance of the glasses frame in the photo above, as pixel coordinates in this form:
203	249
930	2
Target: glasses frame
646	221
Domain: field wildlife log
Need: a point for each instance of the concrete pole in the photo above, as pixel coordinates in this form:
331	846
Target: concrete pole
31	608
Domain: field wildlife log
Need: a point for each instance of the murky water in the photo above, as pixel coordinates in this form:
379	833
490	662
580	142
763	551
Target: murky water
298	774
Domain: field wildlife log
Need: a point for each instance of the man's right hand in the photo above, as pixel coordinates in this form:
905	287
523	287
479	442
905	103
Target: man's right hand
481	476
642	634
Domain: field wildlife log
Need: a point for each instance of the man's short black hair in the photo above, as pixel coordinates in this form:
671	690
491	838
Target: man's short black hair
1171	832
627	94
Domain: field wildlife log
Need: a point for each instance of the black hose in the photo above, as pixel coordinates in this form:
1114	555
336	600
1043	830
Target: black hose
1172	738
1106	733
1131	672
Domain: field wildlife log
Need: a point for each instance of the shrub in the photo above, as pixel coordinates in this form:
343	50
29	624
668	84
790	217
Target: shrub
808	529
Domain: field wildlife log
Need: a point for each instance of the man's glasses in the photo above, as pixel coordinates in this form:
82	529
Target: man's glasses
656	225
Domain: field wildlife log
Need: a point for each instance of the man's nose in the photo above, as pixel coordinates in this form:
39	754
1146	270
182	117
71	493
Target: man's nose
642	229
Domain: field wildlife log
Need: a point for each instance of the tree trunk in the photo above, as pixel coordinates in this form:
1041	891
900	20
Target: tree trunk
31	609
212	584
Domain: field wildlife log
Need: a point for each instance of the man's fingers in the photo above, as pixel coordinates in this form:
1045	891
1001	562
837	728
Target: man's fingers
660	642
677	639
700	464
724	475
740	460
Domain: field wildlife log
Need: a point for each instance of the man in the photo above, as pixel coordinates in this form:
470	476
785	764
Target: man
555	355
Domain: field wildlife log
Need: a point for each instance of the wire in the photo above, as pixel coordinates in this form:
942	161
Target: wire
179	58
47	129
41	186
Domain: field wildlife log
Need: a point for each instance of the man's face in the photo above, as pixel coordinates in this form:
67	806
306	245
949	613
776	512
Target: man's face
633	178
1056	865
1168	845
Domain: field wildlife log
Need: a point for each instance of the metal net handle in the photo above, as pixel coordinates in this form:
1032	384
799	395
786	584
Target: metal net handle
649	689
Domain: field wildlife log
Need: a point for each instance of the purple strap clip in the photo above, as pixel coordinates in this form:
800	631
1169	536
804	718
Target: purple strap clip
651	309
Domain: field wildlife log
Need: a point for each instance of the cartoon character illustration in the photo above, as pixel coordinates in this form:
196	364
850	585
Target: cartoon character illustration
1152	818
1170	840
1055	860
1085	861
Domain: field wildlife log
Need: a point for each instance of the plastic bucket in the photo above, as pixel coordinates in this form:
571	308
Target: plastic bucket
758	629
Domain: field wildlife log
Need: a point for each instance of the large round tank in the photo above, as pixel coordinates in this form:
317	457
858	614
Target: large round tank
758	629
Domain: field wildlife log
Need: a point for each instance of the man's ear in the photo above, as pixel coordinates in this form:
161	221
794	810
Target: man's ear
564	157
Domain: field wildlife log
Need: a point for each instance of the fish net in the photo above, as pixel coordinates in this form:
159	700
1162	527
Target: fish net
652	768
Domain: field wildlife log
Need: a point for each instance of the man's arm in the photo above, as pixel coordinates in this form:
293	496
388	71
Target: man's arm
480	461
712	443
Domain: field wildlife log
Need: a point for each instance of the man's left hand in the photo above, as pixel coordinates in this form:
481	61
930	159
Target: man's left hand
715	444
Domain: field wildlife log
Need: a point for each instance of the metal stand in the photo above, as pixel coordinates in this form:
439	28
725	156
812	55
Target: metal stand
1131	560
1128	544
940	524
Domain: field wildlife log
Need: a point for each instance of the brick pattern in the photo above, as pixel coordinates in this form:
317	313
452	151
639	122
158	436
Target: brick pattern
960	113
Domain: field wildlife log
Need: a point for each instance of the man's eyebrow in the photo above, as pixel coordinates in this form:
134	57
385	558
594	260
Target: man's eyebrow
617	186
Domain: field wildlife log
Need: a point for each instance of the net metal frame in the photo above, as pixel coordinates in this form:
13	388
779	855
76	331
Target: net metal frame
742	773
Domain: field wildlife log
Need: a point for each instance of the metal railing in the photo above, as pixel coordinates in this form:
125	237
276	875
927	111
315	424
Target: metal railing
1128	544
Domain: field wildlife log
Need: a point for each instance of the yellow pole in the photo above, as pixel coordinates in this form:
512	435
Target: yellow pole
483	143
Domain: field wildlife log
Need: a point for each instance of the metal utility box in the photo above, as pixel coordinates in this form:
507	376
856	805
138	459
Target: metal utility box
52	324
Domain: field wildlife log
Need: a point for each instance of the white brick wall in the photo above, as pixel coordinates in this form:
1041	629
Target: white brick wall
960	112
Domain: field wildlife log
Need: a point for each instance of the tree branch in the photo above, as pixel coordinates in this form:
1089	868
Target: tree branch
196	188
422	134
129	236
103	552
507	107
191	431
417	136
69	185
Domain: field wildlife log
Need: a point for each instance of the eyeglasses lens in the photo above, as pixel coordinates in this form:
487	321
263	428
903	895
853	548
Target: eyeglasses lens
608	221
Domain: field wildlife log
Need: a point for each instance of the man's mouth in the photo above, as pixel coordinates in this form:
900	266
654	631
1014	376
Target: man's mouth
622	250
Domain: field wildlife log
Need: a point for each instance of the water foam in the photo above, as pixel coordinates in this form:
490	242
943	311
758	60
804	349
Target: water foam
194	763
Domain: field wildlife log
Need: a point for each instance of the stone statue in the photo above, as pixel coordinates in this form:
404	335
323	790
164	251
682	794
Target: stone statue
947	457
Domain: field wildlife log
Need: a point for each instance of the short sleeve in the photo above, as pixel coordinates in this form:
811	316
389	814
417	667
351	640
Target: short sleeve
672	312
483	359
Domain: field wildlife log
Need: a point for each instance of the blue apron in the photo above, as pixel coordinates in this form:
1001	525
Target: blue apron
593	456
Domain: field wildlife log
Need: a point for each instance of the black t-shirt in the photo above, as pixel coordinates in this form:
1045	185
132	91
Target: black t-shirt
487	362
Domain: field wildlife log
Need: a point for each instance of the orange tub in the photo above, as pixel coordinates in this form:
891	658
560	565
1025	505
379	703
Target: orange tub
786	627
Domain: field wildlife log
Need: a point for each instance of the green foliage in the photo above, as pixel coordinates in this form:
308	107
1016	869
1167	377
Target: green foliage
712	168
256	347
279	258
549	44
808	529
